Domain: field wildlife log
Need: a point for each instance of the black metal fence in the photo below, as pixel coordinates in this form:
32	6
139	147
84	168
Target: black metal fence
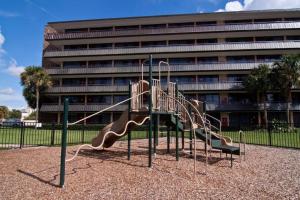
19	135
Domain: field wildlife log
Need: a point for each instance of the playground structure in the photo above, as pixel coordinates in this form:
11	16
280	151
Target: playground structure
154	102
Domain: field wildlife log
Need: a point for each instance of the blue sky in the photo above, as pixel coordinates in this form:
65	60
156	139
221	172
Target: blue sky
22	23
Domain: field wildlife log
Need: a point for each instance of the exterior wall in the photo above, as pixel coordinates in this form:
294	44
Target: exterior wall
203	29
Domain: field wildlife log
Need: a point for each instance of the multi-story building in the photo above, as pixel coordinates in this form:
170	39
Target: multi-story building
92	61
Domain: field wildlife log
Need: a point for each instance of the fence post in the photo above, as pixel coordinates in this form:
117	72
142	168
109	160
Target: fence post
22	135
52	134
82	134
270	134
64	144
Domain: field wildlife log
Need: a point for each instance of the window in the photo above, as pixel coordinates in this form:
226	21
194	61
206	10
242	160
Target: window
75	47
181	42
293	37
101	29
154	43
181	25
210	98
240	39
127	45
77	30
99	81
293	19
55	82
73	82
236	77
100	63
119	98
99	99
184	79
206	23
101	46
267	20
104	118
268	58
50	100
182	61
239	59
153	26
74	100
74	64
207	60
275	98
126	28
125	80
207	41
243	21
208	79
126	63
269	38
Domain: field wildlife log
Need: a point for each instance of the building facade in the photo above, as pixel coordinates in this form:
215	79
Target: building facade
92	61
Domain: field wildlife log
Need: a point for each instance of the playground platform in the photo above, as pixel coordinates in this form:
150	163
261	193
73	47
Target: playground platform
267	173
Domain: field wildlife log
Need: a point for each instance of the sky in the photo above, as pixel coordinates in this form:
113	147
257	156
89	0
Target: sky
22	23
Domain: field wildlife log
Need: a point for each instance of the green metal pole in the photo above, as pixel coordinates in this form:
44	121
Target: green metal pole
150	112
157	128
191	131
129	118
155	133
168	139
177	125
64	144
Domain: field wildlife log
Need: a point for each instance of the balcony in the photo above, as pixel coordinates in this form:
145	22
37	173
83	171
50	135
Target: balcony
179	49
174	68
196	29
251	107
86	89
81	108
211	86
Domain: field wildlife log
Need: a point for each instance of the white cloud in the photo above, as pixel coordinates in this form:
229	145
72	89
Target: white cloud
8	14
7	91
259	5
14	69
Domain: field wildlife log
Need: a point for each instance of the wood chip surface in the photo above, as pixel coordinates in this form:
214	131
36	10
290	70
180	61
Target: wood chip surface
33	173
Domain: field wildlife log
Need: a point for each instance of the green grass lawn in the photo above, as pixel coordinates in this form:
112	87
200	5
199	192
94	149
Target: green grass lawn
32	136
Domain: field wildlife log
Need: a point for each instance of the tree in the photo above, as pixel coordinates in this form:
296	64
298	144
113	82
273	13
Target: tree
3	112
286	75
258	83
15	114
34	80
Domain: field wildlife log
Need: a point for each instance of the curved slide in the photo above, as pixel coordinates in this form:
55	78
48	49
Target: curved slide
117	126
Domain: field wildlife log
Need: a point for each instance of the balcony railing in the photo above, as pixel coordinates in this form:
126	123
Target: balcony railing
211	86
196	29
81	108
179	49
174	68
84	89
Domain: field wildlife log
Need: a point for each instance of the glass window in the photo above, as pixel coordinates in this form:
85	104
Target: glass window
207	41
208	79
124	80
50	100
99	99
119	98
100	63
240	39
75	47
77	30
236	77
103	118
126	28
101	29
99	81
154	43
239	59
182	61
239	99
181	25
269	38
293	37
206	23
268	58
74	100
268	20
181	42
153	26
73	82
74	64
127	45
126	63
207	60
101	46
184	79
243	21
210	98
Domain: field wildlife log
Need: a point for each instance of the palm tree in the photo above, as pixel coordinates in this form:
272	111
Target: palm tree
34	79
286	75
258	82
